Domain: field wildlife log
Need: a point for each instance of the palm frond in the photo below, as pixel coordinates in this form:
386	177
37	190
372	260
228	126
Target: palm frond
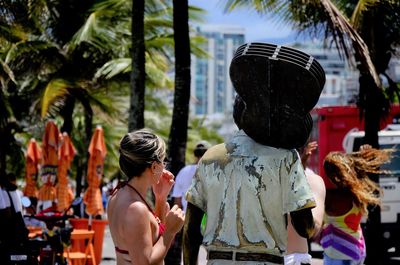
86	32
306	14
7	71
114	67
103	104
196	14
157	78
162	42
33	60
35	47
12	34
362	5
112	5
55	90
196	43
5	110
155	24
342	29
107	30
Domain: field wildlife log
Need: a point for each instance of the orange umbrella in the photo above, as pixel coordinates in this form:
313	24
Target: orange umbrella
50	162
33	159
66	154
97	151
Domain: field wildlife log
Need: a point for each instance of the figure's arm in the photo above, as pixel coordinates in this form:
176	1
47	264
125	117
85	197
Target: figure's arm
192	237
303	222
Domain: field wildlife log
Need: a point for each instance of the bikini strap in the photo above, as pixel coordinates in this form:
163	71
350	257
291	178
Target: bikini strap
144	200
140	195
120	185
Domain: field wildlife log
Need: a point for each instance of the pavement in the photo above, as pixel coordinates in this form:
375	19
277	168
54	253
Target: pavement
108	254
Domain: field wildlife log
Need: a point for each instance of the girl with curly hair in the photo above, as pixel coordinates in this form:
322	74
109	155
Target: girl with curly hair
342	238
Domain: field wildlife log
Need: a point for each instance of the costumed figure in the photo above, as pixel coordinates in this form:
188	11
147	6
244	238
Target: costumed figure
248	185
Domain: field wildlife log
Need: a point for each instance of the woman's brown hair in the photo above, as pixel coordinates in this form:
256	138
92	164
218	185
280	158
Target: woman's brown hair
350	171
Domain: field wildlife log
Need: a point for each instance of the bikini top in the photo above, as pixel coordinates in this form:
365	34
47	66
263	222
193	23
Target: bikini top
161	226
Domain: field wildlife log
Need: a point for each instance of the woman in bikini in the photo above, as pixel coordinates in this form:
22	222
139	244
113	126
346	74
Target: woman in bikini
140	234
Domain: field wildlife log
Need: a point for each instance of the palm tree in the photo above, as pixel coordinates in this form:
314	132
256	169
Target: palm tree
49	65
352	37
376	21
17	28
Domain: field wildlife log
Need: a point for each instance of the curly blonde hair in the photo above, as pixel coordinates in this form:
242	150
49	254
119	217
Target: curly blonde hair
350	171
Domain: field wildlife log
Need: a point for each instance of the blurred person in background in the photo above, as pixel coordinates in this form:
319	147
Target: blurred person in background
13	232
182	184
298	247
185	176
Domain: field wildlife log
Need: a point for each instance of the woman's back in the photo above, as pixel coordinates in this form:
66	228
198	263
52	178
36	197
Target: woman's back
124	228
338	202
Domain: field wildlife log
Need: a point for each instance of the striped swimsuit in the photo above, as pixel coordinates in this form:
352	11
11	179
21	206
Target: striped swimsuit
342	237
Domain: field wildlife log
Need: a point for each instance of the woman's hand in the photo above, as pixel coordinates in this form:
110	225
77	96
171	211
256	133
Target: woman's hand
174	220
310	148
163	187
365	147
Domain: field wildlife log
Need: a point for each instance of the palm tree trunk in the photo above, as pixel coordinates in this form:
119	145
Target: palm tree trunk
4	117
3	164
82	163
136	108
376	106
178	133
180	115
67	114
373	112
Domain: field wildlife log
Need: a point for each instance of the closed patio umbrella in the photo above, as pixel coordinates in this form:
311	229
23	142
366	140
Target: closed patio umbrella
50	144
66	155
97	151
33	160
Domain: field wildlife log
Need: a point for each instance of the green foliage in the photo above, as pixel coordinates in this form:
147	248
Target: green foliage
53	53
198	132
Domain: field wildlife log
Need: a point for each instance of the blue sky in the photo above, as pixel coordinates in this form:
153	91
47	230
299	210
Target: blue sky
257	27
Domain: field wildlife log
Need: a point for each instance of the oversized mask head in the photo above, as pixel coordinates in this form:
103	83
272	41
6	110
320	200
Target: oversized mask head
276	87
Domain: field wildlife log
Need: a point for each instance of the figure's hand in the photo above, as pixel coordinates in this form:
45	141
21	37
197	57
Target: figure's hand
163	187
174	220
